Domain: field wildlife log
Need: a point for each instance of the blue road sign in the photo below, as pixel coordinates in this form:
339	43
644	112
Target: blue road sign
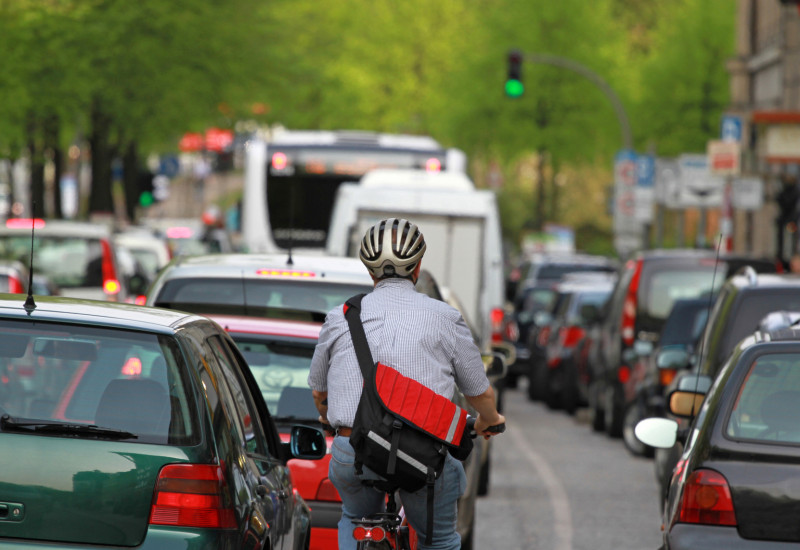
731	128
169	166
645	170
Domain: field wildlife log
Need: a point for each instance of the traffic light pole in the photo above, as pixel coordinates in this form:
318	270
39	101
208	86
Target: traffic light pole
565	63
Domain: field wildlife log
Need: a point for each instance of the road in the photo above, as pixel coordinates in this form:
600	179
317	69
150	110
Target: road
557	485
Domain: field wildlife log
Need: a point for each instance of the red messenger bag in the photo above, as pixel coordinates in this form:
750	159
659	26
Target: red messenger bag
403	430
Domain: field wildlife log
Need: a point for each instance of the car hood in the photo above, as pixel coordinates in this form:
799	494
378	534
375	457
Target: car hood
70	490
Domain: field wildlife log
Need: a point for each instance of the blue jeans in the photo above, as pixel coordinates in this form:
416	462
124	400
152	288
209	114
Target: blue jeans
359	501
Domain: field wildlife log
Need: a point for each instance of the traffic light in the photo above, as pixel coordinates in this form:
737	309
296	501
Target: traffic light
514	86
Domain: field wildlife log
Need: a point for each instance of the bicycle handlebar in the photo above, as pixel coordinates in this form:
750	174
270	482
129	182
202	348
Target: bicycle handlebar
496	429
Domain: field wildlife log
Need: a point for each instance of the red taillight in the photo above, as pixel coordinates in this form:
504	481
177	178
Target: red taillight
140	300
280	161
570	336
629	307
328	492
375	534
132	367
496	317
707	499
623	374
192	495
433	165
15	286
666	376
111	284
25	223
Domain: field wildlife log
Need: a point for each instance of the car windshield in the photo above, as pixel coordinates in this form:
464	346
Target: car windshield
280	367
265	297
70	262
768	404
115	379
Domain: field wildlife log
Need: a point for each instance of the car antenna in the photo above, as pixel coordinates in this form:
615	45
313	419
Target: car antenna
710	305
30	304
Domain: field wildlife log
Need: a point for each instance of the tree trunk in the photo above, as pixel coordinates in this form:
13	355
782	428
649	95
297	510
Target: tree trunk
52	143
130	179
37	168
100	199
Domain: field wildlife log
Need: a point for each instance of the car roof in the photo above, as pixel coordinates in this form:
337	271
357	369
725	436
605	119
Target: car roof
273	327
95	312
752	280
20	226
307	267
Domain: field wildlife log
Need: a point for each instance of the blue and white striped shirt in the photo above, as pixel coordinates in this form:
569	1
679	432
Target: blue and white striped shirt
422	338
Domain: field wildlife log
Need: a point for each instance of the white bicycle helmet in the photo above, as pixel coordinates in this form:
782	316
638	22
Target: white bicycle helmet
392	248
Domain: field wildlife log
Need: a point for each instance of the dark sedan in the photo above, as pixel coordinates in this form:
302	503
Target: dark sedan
138	427
735	485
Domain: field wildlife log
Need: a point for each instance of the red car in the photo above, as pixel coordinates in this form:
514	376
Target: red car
279	354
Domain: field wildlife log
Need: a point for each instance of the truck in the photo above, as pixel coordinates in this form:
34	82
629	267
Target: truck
461	225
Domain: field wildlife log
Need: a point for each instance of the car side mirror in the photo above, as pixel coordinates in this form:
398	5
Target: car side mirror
505	350
307	443
685	404
657	432
673	357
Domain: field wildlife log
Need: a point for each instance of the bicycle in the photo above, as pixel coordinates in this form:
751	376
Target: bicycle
390	530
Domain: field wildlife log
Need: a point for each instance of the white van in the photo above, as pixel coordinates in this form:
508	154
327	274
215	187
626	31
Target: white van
461	226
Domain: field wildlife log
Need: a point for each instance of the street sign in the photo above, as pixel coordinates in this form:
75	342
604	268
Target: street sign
645	187
724	157
625	219
748	193
731	128
699	188
668	183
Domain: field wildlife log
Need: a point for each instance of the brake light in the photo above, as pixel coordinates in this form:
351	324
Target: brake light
570	336
496	317
180	233
132	367
280	161
707	500
433	165
623	374
666	376
140	300
375	534
328	492
192	495
111	284
285	273
25	223
15	285
630	305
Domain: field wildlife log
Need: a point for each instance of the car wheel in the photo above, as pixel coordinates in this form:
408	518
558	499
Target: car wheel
613	414
635	447
511	380
596	415
552	397
536	383
483	478
569	392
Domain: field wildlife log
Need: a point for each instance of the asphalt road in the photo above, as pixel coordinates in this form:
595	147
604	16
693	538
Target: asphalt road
557	485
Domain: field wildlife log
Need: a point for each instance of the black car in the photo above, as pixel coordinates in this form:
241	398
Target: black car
126	426
733	486
743	301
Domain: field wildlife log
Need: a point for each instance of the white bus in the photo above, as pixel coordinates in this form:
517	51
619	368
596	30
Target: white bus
291	180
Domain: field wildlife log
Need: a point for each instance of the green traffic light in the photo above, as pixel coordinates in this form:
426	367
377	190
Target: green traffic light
146	199
514	88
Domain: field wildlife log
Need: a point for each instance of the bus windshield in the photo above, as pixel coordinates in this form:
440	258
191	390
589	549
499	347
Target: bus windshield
302	183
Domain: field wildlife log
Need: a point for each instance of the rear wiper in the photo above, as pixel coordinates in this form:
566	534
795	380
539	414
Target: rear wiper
43	426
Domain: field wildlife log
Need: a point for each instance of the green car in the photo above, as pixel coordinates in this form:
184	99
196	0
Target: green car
127	426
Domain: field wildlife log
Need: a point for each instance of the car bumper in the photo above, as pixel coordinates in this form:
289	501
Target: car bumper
162	539
683	536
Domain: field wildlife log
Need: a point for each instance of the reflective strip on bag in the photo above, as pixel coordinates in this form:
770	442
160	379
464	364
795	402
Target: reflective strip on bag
408	459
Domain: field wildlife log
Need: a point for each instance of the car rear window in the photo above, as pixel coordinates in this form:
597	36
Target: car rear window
556	271
70	262
266	297
118	379
767	407
281	368
664	286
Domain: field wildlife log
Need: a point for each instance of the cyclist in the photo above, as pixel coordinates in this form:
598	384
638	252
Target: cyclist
424	339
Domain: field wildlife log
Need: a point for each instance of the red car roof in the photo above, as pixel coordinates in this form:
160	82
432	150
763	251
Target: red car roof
260	325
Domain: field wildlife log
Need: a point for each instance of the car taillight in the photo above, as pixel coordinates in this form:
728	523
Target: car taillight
666	376
707	500
375	534
570	336
192	495
328	492
140	300
628	329
15	285
623	374
496	317
111	284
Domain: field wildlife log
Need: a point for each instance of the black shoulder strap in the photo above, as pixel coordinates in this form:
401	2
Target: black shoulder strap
353	316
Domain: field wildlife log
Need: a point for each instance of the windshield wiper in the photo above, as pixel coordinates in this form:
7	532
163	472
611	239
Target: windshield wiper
43	426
